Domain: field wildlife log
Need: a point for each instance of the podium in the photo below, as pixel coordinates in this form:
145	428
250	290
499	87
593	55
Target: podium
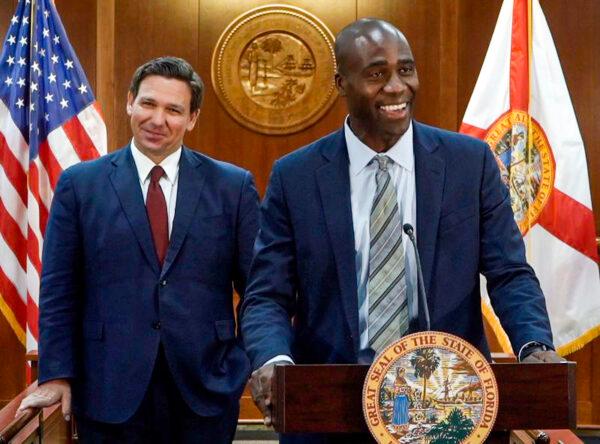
328	398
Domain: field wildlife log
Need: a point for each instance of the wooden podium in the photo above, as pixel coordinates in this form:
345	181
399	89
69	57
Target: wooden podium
328	398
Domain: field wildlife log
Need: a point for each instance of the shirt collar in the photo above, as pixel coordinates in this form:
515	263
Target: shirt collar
143	164
360	154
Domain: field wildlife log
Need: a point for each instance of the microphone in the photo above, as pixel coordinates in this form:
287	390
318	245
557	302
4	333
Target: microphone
408	229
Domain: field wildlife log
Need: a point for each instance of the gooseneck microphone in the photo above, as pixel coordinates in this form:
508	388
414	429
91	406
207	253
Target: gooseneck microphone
408	229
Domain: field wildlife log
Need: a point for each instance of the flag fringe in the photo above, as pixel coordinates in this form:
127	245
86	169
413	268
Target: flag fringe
12	321
580	342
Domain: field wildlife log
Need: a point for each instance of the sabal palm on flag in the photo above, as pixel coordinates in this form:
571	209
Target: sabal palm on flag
521	107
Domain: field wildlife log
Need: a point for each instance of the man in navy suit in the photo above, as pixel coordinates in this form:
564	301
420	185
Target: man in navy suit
142	250
312	255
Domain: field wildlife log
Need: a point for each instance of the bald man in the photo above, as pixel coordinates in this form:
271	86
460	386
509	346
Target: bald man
331	251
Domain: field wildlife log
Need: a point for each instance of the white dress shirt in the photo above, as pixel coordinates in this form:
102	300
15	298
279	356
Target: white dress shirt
362	194
168	183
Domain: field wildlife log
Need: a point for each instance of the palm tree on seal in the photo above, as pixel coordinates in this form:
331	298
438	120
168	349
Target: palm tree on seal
452	430
425	361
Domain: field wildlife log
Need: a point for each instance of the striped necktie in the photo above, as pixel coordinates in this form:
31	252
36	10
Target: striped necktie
388	309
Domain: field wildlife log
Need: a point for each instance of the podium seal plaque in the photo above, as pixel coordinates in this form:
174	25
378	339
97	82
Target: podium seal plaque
430	387
273	69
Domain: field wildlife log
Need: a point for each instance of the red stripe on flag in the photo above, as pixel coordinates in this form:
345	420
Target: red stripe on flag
519	58
13	169
571	222
83	145
33	252
32	317
34	186
14	238
50	163
12	299
471	130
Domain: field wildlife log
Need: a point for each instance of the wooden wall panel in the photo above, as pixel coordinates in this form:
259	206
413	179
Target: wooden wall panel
224	138
12	368
79	20
7	9
575	27
144	30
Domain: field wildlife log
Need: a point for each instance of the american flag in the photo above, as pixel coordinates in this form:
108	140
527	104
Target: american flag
49	120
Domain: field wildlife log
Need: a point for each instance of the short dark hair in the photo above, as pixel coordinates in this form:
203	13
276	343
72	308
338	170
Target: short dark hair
172	68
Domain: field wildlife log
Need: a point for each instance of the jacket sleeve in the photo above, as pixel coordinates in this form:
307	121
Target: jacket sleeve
246	229
60	287
514	290
270	297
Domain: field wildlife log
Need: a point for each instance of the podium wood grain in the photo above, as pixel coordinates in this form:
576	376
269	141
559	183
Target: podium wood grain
328	398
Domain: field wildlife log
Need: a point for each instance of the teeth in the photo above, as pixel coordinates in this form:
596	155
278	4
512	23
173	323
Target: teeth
393	107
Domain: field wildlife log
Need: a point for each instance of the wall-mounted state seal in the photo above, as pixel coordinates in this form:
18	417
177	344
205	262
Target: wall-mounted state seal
273	69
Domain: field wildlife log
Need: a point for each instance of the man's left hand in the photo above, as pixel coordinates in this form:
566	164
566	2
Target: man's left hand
544	356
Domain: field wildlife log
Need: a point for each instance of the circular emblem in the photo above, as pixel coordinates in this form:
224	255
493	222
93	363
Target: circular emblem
273	69
528	172
430	387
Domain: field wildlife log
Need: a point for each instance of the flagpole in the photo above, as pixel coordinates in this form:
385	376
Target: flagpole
529	120
32	23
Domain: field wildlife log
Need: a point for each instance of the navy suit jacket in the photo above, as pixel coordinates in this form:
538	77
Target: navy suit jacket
103	290
304	264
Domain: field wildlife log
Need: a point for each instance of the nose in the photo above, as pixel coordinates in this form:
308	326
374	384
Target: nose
157	117
395	84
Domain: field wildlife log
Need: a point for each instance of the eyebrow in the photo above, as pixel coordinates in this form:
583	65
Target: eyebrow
384	62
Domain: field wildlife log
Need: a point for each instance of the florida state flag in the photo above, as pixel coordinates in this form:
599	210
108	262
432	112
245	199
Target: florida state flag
521	107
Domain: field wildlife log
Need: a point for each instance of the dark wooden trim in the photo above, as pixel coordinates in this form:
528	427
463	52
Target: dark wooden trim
328	398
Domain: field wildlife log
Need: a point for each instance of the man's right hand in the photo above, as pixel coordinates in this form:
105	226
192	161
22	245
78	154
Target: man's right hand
47	394
260	386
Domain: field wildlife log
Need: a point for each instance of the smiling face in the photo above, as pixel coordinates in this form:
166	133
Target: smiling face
160	115
378	79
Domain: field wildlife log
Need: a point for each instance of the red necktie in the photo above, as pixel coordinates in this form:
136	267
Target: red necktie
156	206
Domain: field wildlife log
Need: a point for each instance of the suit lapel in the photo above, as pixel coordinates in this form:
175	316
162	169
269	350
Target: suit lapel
125	180
430	170
189	190
334	185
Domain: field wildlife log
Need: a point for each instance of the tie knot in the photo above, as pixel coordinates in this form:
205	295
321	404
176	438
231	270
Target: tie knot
156	173
382	162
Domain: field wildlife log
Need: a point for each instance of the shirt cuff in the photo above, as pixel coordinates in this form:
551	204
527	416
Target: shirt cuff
527	344
279	358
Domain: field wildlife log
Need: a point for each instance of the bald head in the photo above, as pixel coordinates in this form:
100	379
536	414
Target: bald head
359	33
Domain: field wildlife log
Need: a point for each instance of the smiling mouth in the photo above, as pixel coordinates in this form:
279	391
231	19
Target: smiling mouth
393	108
153	134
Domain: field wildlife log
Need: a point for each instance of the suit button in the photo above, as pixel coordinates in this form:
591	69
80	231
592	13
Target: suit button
163	283
156	325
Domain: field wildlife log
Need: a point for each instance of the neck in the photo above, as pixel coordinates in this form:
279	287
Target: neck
380	143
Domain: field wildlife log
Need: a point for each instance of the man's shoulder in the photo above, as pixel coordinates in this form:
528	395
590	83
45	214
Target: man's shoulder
93	166
312	154
217	166
450	140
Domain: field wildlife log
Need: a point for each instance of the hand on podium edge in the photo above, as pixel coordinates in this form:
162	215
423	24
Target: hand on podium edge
47	394
260	386
544	356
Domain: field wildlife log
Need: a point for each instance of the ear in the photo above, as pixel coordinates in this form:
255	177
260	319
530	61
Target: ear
340	84
130	100
193	118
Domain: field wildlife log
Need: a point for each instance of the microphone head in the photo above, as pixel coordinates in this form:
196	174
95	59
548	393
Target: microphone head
408	229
